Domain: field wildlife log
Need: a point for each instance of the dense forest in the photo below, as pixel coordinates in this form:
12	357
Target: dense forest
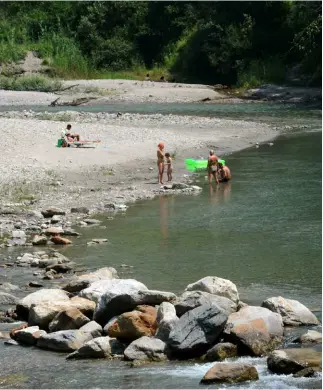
235	43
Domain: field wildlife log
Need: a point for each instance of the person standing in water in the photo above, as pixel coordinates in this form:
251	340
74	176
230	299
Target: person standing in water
212	166
224	172
160	162
169	164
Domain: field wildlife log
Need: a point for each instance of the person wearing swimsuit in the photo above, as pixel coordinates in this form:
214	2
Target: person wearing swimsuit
212	166
224	172
160	162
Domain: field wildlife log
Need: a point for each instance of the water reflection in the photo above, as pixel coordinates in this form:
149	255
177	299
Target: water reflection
220	193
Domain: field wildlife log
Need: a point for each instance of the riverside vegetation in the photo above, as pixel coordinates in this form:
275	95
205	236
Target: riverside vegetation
243	44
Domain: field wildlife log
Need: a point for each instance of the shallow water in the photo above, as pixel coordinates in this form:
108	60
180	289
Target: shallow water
262	231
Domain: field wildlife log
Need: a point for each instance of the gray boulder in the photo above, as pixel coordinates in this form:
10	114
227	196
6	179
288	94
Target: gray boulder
29	335
216	286
221	351
192	299
18	237
293	312
43	295
64	340
8	299
111	306
50	212
166	320
108	289
146	348
100	347
39	240
256	330
292	360
81	282
197	330
93	328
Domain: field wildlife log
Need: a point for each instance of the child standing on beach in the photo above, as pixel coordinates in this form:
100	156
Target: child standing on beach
169	167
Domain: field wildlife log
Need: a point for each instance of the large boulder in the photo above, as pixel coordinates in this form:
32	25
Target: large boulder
197	330
43	313
135	324
166	320
127	301
146	348
64	340
43	295
100	347
311	337
293	312
216	286
192	299
29	335
292	360
256	330
81	282
108	289
68	319
93	328
221	351
230	373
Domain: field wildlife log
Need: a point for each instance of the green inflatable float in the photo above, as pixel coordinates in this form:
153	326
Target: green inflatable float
195	165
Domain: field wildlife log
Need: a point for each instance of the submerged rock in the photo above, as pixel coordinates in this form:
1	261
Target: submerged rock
221	351
255	330
293	360
196	331
311	337
230	373
8	299
216	286
293	312
146	348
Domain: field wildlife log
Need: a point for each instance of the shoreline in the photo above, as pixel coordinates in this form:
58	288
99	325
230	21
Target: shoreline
121	170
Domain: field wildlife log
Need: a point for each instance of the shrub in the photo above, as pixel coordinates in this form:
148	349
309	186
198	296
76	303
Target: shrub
30	83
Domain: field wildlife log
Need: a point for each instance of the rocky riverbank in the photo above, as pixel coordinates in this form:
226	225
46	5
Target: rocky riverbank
98	315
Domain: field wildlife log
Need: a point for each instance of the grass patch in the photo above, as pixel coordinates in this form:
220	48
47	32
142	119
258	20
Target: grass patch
30	83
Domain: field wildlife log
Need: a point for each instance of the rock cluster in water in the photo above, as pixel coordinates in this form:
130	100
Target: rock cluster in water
98	315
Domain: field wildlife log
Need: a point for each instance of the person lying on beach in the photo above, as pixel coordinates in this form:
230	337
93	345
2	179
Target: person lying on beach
160	161
169	164
212	166
224	172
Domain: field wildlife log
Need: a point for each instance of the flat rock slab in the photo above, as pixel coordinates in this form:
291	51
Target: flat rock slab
292	360
230	373
311	337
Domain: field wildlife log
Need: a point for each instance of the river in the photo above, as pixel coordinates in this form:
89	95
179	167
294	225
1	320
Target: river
262	231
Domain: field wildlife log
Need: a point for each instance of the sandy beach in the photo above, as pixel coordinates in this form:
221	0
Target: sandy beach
35	174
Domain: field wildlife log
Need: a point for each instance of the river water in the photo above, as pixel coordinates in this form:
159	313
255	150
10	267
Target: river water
262	231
